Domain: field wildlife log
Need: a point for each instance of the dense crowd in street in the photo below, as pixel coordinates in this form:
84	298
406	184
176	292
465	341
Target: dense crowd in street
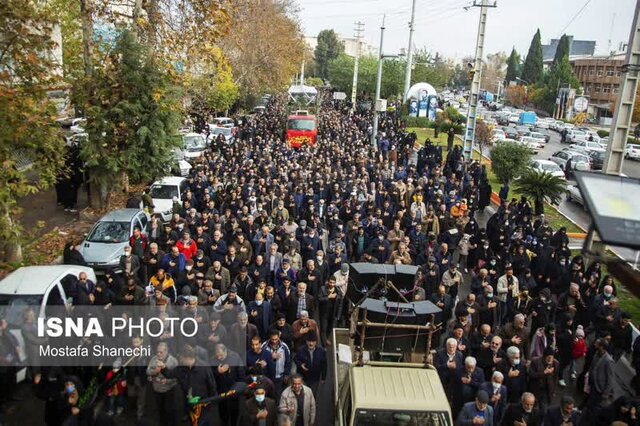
258	251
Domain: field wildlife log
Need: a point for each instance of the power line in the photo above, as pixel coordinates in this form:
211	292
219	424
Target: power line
574	17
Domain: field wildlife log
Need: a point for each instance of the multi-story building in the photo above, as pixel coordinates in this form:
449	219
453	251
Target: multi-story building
600	79
350	46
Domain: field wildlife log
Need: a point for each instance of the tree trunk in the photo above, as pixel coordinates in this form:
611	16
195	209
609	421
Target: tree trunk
539	206
12	247
124	180
87	37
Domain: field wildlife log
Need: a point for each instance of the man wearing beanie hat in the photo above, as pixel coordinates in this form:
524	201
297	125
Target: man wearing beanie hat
311	362
543	375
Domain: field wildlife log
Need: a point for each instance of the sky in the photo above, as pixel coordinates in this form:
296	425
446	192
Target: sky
444	26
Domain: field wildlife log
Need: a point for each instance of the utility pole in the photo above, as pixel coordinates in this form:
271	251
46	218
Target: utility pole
359	28
470	130
407	75
378	83
621	123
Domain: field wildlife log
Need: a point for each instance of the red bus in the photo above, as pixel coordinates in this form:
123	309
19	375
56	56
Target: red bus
301	129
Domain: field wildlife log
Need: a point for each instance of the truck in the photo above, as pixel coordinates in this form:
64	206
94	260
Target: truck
388	379
302	128
527	118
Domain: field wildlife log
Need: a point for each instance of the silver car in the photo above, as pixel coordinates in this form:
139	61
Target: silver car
105	243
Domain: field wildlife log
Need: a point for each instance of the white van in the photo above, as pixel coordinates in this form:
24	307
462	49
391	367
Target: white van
164	191
40	287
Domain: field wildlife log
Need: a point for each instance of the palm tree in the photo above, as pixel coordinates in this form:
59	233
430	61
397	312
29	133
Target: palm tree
540	187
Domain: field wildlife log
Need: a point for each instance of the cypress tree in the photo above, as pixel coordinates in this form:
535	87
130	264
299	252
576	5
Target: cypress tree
513	63
562	50
532	69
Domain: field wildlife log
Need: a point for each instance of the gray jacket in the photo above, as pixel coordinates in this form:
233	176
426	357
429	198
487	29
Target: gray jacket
158	381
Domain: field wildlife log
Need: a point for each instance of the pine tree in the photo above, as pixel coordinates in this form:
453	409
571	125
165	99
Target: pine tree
133	121
513	63
562	50
329	47
532	69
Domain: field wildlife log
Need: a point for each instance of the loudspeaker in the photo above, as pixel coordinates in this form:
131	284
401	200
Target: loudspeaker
388	312
364	276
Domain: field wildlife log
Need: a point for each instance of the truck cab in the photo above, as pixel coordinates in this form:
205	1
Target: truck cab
395	389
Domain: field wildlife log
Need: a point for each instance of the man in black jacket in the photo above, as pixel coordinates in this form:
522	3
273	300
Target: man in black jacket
196	380
311	362
523	412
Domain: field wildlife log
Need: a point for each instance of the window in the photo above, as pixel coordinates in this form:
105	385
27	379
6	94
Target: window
618	73
143	222
606	89
610	73
592	72
164	192
600	73
616	89
597	88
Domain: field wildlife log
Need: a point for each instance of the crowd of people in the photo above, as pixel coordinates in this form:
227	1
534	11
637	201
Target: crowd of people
258	251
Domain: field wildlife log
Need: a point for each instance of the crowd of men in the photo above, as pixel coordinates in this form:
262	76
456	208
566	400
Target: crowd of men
258	251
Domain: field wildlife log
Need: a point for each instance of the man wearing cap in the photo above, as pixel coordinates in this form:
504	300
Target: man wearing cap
311	362
451	279
477	412
543	378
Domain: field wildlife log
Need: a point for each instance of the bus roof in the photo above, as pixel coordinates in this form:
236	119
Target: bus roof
397	388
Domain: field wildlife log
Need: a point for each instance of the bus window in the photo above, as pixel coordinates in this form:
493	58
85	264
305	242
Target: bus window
304	125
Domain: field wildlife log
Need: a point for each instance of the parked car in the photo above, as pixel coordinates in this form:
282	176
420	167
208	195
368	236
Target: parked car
227	132
164	191
497	135
536	135
632	152
194	145
510	132
105	243
180	166
597	159
579	161
574	136
573	194
41	288
522	130
544	132
534	144
586	146
547	166
222	122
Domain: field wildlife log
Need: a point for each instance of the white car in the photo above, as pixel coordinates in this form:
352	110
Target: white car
535	135
194	145
547	166
534	144
222	122
586	146
579	161
498	135
514	118
78	125
573	194
632	152
227	132
574	136
164	191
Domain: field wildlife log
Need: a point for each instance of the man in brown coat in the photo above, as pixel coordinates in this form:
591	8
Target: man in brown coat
260	408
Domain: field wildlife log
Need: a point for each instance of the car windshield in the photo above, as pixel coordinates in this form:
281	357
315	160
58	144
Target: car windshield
194	142
395	417
301	124
164	192
553	167
109	232
579	159
222	130
598	154
13	306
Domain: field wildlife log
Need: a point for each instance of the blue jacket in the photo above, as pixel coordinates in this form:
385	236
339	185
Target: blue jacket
271	371
501	405
317	368
469	411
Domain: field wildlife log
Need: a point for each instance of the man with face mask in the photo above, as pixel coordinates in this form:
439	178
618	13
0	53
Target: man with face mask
260	410
129	263
514	371
497	393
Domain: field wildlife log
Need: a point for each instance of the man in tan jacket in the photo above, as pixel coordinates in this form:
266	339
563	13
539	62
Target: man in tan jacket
298	401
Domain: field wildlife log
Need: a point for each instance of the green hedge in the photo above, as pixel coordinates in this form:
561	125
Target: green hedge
422	122
603	133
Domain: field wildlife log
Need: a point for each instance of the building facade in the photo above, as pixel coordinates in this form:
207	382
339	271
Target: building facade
600	79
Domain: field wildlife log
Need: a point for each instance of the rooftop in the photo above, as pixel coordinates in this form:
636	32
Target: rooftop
576	48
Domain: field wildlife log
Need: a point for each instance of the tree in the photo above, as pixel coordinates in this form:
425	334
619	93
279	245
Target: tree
636	107
515	96
482	135
461	77
329	47
493	70
133	122
265	48
510	159
540	187
562	50
532	68
559	76
431	69
513	66
28	131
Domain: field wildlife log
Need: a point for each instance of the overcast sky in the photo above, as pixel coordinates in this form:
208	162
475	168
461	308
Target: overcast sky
444	26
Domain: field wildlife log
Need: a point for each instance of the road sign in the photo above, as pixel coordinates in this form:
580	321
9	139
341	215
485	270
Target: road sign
580	104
